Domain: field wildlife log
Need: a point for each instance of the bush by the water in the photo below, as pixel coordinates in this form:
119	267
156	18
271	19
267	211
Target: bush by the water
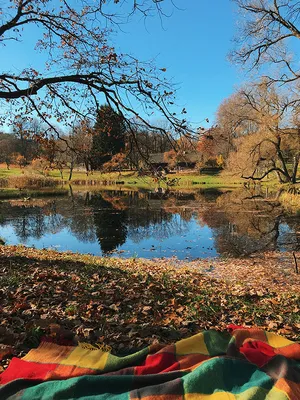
3	182
290	201
32	182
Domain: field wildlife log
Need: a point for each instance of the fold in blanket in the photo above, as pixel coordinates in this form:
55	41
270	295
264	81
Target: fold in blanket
243	364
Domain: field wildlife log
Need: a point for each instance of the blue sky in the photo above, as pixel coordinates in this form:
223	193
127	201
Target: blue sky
193	44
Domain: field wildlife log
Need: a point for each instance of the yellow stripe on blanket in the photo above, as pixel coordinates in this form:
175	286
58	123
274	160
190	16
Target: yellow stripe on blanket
83	358
213	396
252	393
260	393
277	341
192	345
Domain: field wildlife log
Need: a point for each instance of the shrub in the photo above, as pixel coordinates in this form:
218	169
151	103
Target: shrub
19	160
32	182
40	165
3	182
290	201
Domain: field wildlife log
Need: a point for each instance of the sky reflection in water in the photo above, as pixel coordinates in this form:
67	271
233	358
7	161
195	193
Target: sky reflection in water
202	224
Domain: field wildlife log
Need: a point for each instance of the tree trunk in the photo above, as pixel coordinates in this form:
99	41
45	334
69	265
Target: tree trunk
279	177
287	176
295	168
86	163
71	170
72	195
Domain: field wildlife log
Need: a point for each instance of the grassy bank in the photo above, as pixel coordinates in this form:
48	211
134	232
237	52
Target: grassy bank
15	178
127	304
291	202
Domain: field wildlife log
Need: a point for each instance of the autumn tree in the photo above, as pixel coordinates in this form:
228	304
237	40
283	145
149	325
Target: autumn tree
118	162
82	143
67	154
19	160
24	130
171	157
58	153
273	143
49	148
41	165
268	31
8	146
211	148
180	152
82	67
186	145
232	121
109	136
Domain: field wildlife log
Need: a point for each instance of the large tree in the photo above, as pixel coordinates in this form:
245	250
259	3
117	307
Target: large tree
82	66
270	141
232	121
8	146
109	136
268	34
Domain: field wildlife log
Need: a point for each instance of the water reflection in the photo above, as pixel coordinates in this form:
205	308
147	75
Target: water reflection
110	222
246	223
200	224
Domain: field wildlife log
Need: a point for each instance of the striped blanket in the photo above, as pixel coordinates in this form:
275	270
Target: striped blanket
240	364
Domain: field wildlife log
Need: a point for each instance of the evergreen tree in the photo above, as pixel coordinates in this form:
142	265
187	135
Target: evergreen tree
109	136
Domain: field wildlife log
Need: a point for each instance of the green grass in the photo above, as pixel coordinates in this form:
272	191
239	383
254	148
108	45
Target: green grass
6	173
128	179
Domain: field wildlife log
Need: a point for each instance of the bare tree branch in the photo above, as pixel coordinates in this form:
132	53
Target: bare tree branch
77	40
267	26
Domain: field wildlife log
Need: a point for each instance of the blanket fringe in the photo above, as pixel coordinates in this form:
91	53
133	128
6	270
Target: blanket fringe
97	346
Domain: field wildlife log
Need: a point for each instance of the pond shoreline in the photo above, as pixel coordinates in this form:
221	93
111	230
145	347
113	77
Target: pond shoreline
266	269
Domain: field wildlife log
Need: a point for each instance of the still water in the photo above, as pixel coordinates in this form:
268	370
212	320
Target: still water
205	223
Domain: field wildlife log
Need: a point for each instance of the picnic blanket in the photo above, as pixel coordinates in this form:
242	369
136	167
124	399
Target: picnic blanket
240	364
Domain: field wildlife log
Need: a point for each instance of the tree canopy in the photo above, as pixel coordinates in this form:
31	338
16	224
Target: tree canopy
109	136
83	68
264	133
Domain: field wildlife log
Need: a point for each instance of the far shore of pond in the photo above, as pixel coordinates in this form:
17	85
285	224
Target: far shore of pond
28	184
14	178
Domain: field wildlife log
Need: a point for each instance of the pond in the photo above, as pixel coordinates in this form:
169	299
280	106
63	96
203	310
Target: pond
200	224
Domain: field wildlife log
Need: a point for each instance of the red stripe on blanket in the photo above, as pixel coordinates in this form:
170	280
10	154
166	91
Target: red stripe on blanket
158	363
18	369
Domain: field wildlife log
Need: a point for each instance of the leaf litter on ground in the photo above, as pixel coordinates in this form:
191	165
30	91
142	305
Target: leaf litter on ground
127	304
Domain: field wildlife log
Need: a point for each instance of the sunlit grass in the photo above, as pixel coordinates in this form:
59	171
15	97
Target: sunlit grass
13	171
290	202
129	179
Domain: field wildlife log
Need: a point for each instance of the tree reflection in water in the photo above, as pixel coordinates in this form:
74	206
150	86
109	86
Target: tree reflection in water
246	222
242	222
110	223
